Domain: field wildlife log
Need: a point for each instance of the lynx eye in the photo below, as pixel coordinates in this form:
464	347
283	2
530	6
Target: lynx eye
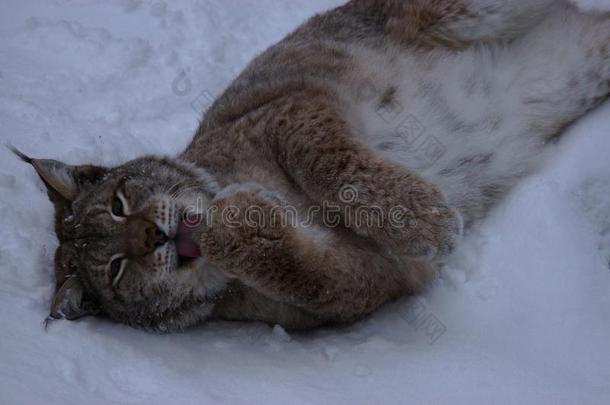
117	266
118	206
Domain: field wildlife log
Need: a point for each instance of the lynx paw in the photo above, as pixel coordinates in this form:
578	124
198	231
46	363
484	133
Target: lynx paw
431	236
420	225
240	222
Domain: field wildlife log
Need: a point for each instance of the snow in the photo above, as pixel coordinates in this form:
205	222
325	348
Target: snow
593	5
521	314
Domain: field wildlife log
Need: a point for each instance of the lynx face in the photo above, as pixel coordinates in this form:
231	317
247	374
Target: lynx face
119	252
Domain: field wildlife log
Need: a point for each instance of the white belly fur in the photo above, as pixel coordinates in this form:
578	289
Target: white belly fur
472	122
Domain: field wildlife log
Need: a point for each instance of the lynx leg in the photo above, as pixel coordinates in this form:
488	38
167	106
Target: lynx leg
376	198
326	275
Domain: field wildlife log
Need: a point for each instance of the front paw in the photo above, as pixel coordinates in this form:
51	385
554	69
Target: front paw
421	226
239	223
431	234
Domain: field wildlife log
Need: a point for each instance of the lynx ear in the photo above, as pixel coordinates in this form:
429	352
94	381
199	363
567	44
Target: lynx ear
70	301
66	180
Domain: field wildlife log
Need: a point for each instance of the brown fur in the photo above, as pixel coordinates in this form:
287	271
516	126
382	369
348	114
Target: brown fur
286	133
281	138
334	280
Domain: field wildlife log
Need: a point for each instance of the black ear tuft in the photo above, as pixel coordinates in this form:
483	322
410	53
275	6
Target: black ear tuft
19	154
65	180
70	301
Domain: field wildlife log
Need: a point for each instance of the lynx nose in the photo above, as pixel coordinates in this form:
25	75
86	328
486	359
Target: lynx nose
155	237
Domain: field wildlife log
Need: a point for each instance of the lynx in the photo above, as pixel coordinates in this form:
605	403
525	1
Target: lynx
404	119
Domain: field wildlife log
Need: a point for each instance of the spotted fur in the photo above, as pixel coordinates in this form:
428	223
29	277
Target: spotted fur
437	107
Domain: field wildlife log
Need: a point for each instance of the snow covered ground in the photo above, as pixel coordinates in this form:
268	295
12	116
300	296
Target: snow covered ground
520	315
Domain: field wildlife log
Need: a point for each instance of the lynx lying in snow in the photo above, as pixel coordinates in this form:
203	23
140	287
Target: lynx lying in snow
335	172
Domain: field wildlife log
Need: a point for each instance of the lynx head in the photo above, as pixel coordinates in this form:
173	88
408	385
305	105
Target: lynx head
123	251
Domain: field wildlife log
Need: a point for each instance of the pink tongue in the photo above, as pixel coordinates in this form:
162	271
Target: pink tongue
185	245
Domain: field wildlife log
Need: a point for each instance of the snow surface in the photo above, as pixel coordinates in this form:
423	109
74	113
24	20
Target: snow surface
520	315
593	5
